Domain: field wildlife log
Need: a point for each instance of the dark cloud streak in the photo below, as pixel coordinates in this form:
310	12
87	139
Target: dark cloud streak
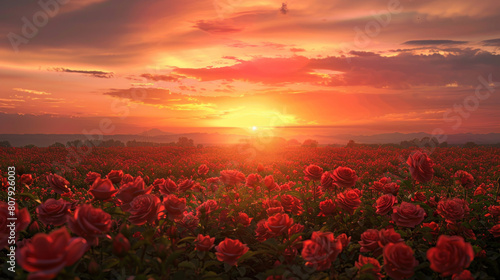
434	42
94	73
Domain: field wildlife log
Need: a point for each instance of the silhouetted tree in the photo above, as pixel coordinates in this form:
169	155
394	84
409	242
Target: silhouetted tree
57	145
310	143
75	143
351	144
5	144
111	143
185	142
470	145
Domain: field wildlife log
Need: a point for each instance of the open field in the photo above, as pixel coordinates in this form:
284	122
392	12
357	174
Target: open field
239	213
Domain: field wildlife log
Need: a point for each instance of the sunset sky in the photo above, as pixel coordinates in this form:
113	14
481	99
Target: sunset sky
361	67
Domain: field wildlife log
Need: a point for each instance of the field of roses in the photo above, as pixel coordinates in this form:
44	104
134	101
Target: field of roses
223	213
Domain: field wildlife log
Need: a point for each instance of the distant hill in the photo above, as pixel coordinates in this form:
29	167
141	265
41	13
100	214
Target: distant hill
154	132
159	136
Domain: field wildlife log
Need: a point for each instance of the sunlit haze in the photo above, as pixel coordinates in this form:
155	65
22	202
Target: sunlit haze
361	67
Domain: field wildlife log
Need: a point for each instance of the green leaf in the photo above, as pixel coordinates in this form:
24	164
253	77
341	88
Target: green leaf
188	265
31	196
247	255
186	239
211	263
242	271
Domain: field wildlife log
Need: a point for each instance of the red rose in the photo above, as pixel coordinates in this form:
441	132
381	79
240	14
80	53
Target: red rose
252	180
327	182
391	188
465	179
369	241
53	212
174	206
296	228
494	210
344	177
349	200
47	254
207	207
127	178
121	245
131	190
385	204
91	177
243	219
408	215
313	173
344	240
452	209
479	191
115	176
269	183
278	223
451	255
433	226
419	196
165	187
387	236
204	243
22	222
379	185
321	250
274	210
420	167
102	189
291	204
270	203
90	223
34	227
495	230
399	261
203	169
261	232
157	183
26	179
58	183
189	221
464	275
374	270
260	168
327	207
185	185
230	250
231	177
144	209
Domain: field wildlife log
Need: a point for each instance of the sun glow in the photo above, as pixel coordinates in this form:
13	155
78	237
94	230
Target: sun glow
254	128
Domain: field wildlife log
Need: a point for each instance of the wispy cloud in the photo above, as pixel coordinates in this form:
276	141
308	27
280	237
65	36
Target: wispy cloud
36	92
491	42
217	26
94	73
434	42
165	78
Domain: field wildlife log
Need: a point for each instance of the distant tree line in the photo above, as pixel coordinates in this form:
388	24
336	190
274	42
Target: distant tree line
272	142
419	143
182	142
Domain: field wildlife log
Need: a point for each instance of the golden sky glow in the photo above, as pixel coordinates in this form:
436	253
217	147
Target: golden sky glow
358	67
